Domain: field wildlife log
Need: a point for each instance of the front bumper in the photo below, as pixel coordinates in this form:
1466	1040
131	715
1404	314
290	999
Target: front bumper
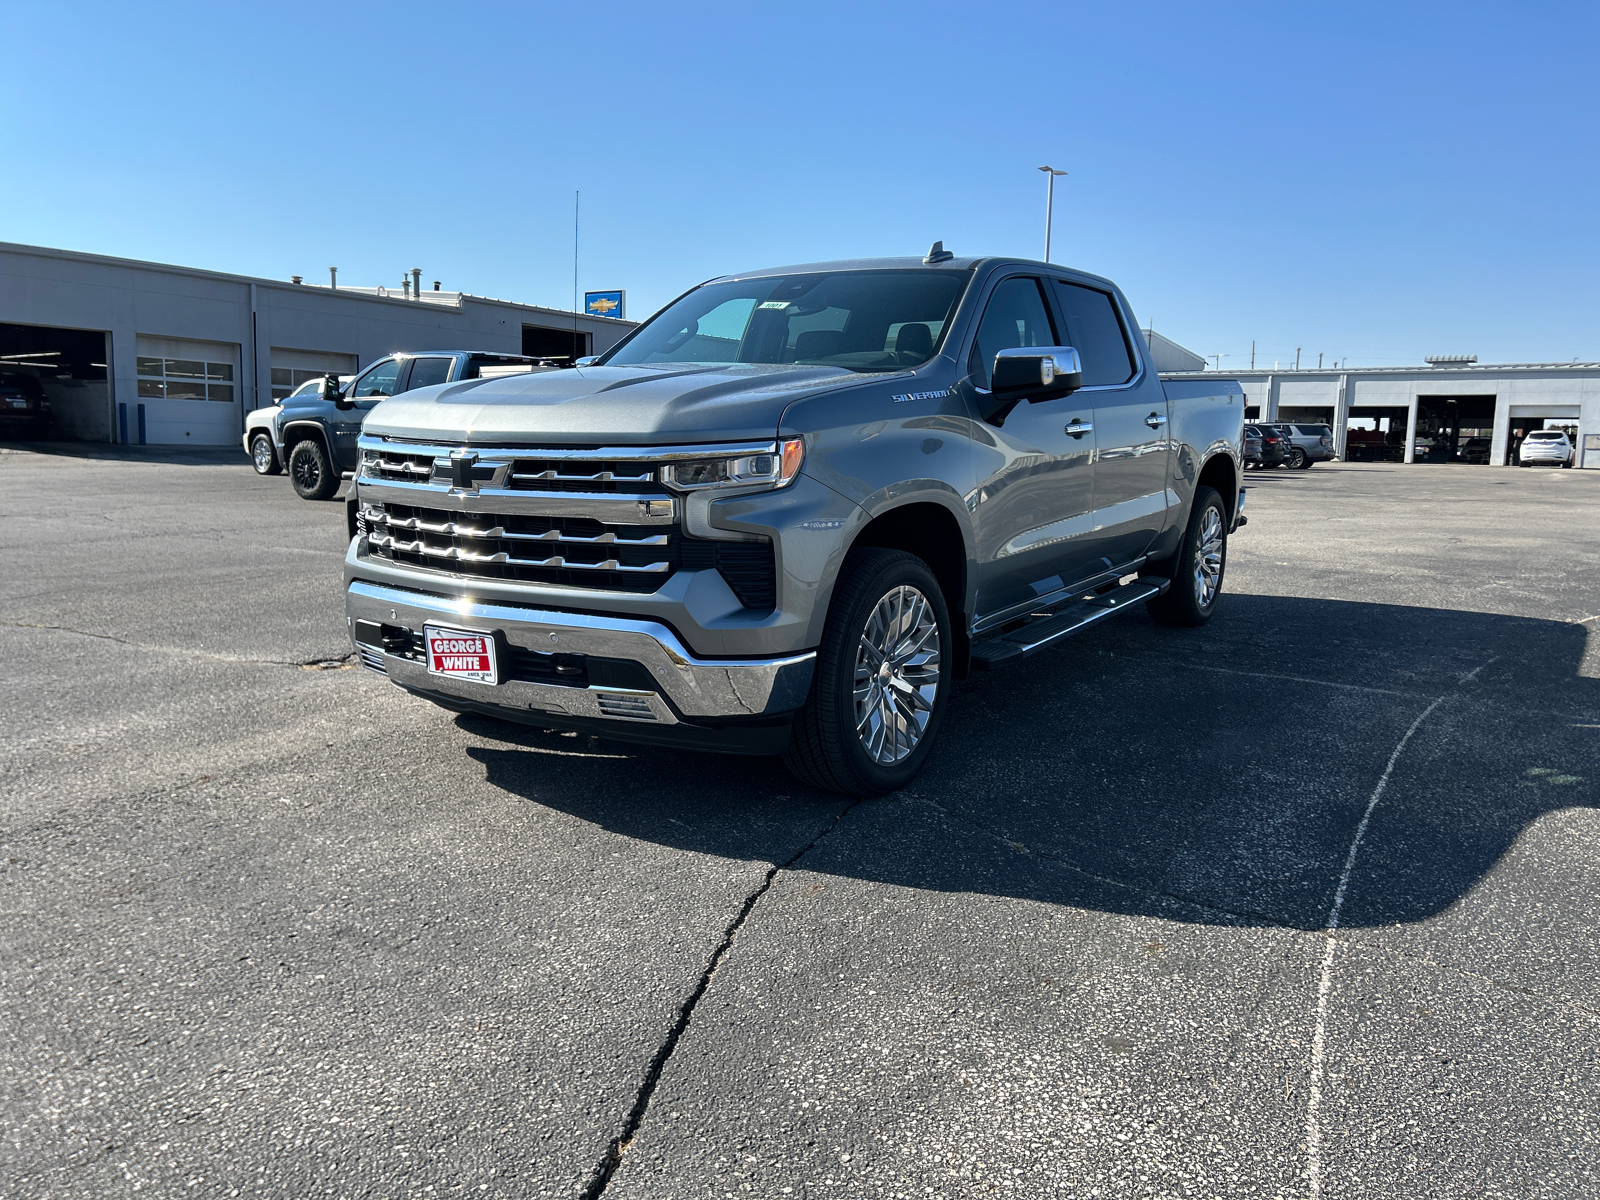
673	688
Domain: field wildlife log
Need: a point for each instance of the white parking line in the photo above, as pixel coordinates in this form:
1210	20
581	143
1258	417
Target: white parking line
1319	1038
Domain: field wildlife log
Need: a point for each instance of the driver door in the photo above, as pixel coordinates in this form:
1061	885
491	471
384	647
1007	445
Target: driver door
367	390
1033	507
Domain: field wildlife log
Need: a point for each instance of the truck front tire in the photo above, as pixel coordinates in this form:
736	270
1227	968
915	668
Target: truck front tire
882	678
310	472
263	457
1198	567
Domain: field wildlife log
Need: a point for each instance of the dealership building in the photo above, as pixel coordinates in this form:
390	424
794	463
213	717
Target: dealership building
1451	408
143	352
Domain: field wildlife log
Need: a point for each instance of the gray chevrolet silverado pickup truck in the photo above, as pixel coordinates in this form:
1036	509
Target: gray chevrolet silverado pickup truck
789	510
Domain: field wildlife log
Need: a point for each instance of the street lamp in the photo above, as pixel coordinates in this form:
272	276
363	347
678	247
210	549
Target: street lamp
1049	205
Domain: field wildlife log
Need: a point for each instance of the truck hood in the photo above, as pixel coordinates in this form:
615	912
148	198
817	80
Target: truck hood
633	405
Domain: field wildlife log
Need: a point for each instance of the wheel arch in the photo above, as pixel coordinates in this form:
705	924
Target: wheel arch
300	431
934	534
1222	473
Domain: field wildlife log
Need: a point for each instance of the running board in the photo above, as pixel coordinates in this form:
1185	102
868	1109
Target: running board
1047	629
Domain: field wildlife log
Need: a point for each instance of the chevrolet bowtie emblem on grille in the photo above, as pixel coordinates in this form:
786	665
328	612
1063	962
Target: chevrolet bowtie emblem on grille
468	472
461	475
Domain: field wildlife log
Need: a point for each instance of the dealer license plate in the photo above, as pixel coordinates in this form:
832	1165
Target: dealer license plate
461	654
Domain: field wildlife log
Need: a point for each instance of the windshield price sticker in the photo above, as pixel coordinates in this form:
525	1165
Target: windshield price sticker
460	654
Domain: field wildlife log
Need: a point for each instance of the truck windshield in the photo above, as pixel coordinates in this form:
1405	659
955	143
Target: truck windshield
857	320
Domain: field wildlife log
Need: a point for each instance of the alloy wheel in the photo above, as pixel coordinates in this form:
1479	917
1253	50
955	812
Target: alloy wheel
261	453
1208	558
897	675
306	471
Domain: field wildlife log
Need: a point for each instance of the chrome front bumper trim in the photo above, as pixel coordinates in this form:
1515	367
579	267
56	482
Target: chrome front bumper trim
607	507
697	687
677	452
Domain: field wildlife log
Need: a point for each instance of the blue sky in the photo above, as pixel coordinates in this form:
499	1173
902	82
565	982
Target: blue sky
1367	181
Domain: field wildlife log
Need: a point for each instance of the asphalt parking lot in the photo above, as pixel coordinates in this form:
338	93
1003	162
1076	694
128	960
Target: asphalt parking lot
271	927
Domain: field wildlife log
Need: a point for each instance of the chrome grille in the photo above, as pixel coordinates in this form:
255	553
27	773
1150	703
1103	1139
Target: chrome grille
395	465
576	551
582	517
545	475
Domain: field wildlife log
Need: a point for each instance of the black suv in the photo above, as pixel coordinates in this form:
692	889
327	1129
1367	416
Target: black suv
1274	446
24	408
316	432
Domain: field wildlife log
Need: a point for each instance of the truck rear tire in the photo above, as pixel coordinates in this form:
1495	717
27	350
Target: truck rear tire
310	472
882	678
1198	566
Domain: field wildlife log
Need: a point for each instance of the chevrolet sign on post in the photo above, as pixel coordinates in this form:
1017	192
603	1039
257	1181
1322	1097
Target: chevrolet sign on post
604	304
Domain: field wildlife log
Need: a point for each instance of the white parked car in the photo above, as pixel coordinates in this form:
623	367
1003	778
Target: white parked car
258	443
1545	446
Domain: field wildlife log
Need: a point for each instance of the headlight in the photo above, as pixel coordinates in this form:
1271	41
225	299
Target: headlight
773	468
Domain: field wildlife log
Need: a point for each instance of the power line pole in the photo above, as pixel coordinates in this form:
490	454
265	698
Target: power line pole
1252	354
1049	205
1297	358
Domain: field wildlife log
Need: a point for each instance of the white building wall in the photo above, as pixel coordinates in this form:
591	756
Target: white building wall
129	299
1553	391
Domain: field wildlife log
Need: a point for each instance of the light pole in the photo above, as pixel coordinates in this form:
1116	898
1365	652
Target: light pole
1049	205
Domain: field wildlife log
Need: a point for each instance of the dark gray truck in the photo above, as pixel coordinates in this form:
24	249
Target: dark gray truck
788	511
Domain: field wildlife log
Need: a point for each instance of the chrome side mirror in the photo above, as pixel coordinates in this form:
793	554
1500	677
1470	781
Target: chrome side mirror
587	361
1048	370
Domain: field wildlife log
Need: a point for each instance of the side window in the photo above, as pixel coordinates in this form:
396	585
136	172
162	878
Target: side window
378	381
425	371
1095	331
1016	316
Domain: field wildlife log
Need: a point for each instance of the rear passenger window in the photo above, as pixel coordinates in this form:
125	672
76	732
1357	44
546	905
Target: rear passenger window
1095	331
426	371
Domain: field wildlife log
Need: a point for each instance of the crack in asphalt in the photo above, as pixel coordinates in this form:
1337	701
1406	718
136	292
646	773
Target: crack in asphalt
612	1158
310	664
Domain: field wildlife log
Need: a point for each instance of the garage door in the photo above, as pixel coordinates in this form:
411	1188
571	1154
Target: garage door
291	368
189	391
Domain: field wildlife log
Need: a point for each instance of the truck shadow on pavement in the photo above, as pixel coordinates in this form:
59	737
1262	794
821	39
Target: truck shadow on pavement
1213	776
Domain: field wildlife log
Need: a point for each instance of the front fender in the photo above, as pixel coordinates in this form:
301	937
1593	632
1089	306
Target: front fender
299	430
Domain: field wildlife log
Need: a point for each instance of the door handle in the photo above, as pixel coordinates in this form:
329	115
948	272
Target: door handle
1077	427
1155	420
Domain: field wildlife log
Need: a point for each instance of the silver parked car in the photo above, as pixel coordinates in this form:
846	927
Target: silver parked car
1307	444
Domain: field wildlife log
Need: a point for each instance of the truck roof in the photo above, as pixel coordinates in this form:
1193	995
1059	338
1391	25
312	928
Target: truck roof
494	353
958	263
